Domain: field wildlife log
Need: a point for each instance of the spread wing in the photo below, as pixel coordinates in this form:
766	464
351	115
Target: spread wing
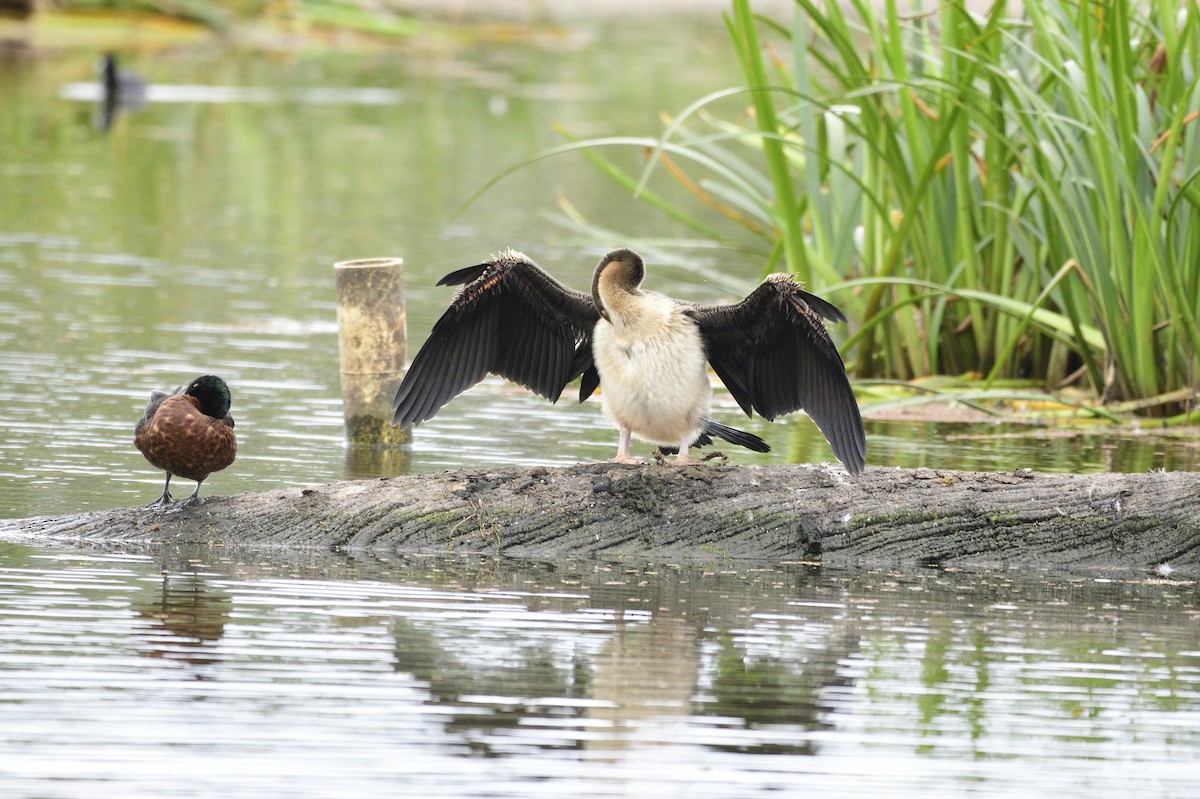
510	319
773	353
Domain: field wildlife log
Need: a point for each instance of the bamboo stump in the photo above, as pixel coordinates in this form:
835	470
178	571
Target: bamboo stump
371	347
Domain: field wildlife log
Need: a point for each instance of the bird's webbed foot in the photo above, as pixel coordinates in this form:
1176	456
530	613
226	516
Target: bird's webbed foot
162	501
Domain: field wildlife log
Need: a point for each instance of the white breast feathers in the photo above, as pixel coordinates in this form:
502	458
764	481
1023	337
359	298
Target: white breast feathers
653	371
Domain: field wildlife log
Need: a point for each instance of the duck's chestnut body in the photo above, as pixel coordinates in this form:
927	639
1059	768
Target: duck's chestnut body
188	433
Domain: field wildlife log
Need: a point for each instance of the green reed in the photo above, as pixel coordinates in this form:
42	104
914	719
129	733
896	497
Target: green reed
1010	194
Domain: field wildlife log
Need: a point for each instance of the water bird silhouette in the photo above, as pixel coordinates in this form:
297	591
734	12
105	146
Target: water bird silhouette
120	91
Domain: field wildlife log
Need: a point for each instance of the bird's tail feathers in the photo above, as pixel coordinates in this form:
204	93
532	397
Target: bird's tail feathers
735	436
730	434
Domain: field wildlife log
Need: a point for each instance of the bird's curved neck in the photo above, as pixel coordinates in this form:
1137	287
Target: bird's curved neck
615	294
640	315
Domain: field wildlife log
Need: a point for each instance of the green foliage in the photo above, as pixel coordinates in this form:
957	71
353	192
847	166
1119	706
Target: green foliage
1010	195
203	12
362	16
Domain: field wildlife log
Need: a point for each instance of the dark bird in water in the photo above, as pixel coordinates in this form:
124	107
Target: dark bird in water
120	90
188	433
650	352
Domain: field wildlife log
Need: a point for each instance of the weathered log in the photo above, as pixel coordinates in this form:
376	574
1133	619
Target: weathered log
780	513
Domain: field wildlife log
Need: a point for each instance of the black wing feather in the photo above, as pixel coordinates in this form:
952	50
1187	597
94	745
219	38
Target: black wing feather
773	353
589	381
461	277
510	319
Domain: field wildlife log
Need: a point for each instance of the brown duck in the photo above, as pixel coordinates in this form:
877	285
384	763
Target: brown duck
188	433
650	352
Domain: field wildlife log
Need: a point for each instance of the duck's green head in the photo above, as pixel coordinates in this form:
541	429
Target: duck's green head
213	395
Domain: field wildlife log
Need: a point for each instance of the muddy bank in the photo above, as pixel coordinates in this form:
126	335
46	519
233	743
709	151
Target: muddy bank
777	513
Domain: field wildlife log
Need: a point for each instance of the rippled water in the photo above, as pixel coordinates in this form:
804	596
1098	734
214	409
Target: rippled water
202	674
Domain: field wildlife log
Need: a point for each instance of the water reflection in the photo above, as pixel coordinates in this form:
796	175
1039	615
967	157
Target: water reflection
108	95
987	447
186	621
770	689
588	679
485	697
366	462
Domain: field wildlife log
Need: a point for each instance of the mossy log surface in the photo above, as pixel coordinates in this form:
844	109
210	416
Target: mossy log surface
778	513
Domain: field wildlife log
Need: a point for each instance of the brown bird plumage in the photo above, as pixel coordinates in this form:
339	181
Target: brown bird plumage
188	433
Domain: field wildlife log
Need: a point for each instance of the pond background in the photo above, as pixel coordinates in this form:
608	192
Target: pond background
200	237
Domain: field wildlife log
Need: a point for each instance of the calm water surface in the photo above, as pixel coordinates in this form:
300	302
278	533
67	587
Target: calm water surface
198	236
205	674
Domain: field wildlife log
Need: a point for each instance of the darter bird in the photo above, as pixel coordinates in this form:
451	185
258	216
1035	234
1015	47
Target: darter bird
648	351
